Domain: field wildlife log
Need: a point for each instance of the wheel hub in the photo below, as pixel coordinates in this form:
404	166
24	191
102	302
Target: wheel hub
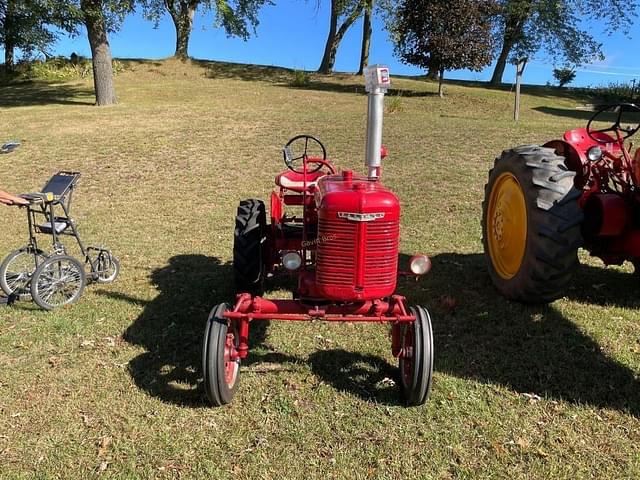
506	225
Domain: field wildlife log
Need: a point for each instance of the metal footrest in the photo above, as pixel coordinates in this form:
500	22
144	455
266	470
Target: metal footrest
47	228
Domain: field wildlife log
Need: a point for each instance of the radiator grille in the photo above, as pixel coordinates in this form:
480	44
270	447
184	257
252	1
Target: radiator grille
337	254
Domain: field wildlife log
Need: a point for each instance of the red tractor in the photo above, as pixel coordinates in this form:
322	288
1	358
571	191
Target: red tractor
543	203
342	249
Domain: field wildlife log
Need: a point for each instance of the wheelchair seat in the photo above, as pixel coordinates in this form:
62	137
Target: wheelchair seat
294	181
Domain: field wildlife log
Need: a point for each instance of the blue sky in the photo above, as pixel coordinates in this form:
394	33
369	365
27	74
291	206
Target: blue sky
292	34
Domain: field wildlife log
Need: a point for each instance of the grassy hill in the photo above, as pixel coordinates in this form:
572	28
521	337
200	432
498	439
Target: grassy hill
110	387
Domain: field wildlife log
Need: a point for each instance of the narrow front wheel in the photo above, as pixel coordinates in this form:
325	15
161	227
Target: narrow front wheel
416	357
220	361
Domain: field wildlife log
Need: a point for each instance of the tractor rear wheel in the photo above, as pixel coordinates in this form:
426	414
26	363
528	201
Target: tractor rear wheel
248	243
531	223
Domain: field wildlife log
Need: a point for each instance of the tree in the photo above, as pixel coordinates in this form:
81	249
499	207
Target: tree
27	25
564	76
239	18
366	36
96	24
440	36
348	12
525	27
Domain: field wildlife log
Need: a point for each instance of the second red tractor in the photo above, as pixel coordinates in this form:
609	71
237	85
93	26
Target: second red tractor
544	202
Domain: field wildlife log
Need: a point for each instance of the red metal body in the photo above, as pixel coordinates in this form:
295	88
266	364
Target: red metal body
348	237
610	193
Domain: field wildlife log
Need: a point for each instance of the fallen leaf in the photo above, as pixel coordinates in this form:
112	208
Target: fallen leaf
532	397
103	445
55	361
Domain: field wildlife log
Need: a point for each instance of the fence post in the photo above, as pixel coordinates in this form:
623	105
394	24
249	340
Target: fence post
522	62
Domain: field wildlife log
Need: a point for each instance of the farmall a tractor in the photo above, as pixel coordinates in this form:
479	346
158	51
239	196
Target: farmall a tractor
340	244
544	202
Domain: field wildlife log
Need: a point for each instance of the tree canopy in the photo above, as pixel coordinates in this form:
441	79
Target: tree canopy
238	18
555	28
440	36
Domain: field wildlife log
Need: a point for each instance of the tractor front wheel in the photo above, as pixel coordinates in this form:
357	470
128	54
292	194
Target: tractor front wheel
531	224
220	362
248	244
416	357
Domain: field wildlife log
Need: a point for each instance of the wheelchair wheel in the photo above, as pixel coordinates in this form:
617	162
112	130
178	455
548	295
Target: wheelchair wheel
58	281
17	268
106	267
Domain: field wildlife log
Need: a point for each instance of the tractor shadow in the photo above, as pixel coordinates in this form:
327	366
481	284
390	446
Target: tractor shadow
529	349
369	377
170	328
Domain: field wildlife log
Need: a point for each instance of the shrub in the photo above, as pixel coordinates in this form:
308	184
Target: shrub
300	78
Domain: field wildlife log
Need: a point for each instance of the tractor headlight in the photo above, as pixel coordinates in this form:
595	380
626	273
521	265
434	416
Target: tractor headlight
420	264
291	261
594	153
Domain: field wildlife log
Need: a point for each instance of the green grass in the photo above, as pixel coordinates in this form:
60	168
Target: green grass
110	387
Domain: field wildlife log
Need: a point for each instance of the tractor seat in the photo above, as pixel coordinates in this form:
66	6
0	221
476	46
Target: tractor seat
294	181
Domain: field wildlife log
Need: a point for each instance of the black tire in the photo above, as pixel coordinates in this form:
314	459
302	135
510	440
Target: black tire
416	369
57	281
553	225
219	387
106	268
248	244
17	269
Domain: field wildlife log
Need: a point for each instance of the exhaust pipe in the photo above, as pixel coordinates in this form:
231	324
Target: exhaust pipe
377	81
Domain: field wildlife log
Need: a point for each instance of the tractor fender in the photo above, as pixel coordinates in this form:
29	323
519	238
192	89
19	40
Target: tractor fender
575	160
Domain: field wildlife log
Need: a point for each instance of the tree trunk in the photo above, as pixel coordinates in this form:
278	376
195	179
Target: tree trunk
501	63
9	48
100	52
330	48
335	37
9	61
432	72
366	37
440	86
183	22
513	32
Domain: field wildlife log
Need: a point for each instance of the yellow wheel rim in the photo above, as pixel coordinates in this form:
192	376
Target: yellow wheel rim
507	225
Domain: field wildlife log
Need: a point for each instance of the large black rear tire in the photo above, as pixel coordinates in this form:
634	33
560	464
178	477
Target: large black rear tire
531	259
248	244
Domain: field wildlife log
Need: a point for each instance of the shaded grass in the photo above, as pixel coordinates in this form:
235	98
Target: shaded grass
111	385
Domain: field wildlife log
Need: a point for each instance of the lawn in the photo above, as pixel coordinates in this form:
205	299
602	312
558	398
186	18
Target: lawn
111	387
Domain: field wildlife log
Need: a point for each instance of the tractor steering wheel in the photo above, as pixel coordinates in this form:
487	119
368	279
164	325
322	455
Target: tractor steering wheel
618	109
308	149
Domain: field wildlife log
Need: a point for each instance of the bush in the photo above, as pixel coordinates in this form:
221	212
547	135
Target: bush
300	78
613	93
60	68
